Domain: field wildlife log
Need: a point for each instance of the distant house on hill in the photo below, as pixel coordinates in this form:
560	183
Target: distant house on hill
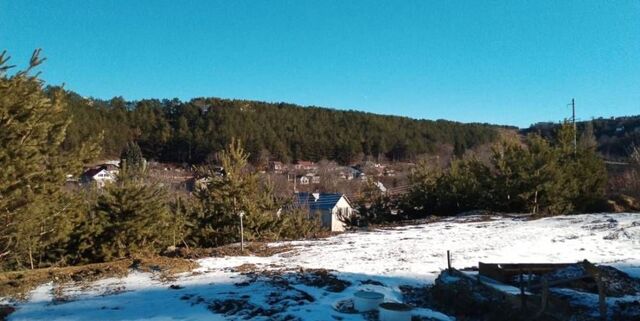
303	179
305	165
277	167
100	175
331	207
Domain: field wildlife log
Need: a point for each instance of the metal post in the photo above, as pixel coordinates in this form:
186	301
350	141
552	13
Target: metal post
448	261
523	298
241	214
602	297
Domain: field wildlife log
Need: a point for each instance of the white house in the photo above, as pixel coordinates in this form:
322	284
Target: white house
312	178
331	207
277	167
101	175
303	180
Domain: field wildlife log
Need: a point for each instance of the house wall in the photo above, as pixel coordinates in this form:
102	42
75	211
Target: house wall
341	207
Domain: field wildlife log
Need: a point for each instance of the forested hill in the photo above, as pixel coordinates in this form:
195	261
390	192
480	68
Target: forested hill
176	131
614	136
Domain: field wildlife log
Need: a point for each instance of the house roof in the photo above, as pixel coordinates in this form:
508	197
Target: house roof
325	201
93	171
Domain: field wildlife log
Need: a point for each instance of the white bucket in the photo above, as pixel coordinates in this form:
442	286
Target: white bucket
364	301
391	311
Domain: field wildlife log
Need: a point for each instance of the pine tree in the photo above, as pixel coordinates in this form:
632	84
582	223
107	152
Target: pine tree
225	196
132	163
130	218
34	209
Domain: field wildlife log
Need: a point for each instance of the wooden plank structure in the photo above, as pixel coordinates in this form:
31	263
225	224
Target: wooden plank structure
506	273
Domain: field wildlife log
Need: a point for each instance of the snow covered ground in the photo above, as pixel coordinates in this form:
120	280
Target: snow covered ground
380	260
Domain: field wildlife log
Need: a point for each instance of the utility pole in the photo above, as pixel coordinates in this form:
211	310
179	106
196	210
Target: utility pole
575	128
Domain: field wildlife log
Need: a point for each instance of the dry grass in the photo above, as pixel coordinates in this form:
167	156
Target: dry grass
253	248
18	284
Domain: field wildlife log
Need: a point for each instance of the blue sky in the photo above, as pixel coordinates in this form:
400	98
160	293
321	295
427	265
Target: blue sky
506	62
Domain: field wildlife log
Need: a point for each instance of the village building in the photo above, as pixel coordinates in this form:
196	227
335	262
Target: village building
332	208
305	165
100	175
303	179
348	173
277	167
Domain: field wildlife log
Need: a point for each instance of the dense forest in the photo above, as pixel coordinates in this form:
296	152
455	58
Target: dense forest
615	137
192	132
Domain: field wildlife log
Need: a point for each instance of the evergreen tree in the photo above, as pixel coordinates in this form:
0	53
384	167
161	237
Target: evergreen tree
35	212
130	218
374	207
225	196
132	163
538	178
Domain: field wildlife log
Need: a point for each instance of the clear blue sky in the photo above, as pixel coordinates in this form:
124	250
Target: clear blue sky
506	62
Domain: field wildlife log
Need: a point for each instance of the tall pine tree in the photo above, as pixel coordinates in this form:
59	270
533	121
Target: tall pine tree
35	212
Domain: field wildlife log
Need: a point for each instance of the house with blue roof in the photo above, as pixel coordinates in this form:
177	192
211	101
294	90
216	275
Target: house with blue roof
332	208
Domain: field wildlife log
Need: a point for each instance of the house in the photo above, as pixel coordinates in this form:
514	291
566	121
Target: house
277	167
100	175
331	208
198	183
305	165
201	180
303	179
348	173
312	178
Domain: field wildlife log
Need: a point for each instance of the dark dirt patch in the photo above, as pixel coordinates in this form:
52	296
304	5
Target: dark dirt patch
317	278
5	310
321	278
279	300
244	268
371	282
240	308
283	296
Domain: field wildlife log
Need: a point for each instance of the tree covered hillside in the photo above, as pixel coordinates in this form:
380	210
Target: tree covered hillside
615	137
193	131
